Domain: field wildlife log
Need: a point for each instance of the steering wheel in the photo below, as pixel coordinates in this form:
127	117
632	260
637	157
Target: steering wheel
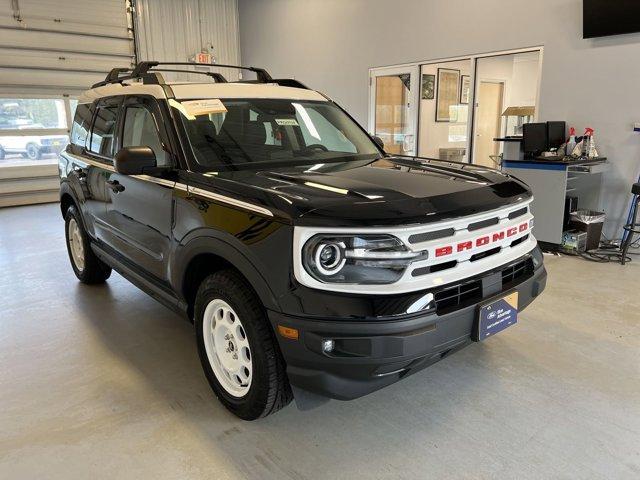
317	146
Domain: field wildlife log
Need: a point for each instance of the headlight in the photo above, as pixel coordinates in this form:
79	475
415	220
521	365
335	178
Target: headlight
360	259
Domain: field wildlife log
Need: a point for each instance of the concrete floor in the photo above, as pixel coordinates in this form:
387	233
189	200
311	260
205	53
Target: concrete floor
103	382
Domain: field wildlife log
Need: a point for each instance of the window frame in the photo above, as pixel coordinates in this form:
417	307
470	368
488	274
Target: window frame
152	105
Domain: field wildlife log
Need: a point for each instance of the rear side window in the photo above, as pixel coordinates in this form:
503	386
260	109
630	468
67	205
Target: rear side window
140	131
104	129
81	124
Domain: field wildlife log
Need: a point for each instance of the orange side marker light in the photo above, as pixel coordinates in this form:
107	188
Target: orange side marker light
288	332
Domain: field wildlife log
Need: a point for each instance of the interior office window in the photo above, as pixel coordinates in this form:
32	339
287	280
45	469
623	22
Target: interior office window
140	130
444	110
392	123
103	131
503	82
81	124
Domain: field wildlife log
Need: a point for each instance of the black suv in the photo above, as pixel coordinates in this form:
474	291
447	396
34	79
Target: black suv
312	264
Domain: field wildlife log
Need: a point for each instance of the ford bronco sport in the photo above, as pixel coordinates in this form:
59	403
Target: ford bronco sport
312	264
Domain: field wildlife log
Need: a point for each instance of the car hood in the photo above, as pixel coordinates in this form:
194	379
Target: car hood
384	191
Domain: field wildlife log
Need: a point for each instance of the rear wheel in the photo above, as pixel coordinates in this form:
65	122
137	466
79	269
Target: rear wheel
33	152
238	350
85	263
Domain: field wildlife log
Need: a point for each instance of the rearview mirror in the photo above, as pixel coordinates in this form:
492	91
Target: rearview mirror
134	160
378	141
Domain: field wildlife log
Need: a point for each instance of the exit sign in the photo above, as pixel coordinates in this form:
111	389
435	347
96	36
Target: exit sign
203	58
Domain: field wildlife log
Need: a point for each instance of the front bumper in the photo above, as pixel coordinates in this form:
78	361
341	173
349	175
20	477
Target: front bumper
370	354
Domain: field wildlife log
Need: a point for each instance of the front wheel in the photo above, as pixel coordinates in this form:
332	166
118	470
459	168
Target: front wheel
238	350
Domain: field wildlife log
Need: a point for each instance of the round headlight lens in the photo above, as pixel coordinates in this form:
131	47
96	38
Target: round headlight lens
358	258
329	258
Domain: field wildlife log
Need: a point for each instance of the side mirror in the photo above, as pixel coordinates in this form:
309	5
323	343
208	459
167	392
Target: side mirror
378	141
134	160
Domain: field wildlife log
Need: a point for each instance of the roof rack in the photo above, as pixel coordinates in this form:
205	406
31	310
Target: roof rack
147	72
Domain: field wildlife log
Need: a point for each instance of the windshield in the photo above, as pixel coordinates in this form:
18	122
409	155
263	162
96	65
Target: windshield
247	133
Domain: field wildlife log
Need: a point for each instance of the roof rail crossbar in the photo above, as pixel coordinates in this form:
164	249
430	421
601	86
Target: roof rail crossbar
218	77
145	71
114	73
262	75
290	82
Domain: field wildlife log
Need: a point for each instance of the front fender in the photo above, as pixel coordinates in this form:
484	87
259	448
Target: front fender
227	247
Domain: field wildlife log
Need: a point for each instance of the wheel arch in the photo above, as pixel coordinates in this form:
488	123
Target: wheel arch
207	254
67	199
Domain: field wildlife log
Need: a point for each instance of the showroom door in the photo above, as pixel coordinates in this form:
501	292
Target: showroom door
489	112
393	107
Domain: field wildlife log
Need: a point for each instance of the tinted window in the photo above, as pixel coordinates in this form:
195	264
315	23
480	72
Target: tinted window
104	128
81	124
140	131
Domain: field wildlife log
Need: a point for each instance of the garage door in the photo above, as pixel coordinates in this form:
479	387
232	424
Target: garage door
50	51
62	46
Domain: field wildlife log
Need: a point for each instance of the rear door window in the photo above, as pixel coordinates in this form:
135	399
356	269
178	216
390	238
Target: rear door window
104	129
81	124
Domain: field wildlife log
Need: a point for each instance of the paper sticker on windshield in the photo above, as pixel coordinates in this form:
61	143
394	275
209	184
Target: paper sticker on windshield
204	107
287	122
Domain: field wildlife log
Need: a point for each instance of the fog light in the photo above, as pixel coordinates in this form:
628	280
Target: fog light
327	346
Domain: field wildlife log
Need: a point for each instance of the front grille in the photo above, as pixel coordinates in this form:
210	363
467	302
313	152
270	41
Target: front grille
517	271
483	224
458	296
434	268
427	236
518	213
462	295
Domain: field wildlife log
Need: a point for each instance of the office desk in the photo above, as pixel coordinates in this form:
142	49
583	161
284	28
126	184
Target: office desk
551	183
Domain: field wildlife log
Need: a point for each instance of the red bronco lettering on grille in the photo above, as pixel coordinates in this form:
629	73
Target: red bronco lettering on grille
481	241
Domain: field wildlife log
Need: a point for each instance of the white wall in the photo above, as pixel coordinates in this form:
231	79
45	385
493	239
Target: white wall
331	44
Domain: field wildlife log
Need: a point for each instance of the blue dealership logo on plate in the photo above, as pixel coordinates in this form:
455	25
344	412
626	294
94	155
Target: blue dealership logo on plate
497	315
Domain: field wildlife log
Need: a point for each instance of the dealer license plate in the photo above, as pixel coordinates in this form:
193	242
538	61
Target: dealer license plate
496	315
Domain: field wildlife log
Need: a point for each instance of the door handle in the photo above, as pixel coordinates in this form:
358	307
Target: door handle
115	186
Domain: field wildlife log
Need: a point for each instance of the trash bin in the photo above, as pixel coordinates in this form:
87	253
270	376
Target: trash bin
590	222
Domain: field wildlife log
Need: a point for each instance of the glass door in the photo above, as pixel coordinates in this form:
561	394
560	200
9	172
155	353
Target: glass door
444	110
506	87
393	108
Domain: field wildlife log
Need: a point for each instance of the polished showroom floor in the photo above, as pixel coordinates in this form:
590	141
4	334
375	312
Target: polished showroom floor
103	382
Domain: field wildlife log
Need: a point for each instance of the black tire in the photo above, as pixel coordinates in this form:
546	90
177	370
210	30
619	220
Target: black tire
33	152
269	390
94	270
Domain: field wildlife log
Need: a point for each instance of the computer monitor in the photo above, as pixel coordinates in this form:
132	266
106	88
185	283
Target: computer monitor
556	133
534	138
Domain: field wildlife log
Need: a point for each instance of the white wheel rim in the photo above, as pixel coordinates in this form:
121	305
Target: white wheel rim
227	346
75	244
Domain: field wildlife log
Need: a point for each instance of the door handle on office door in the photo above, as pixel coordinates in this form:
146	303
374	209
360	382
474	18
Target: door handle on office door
115	186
